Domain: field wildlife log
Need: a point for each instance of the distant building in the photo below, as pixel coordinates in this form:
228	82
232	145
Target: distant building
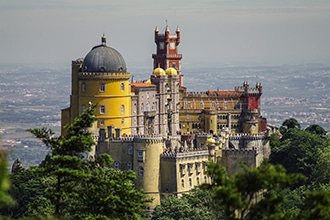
159	130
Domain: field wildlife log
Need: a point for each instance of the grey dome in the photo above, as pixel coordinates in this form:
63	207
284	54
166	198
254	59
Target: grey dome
104	59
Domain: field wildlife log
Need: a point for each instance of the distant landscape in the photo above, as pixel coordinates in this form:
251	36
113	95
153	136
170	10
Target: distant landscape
33	96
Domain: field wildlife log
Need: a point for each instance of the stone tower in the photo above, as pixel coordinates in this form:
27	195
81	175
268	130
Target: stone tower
167	51
101	78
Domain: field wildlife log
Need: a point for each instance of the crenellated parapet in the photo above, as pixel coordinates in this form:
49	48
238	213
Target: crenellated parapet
78	61
216	93
246	136
104	76
185	155
240	152
148	138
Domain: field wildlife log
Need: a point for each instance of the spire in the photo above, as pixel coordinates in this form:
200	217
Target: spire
104	40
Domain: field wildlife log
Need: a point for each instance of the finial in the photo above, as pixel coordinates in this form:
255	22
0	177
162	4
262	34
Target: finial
167	28
156	29
177	29
104	39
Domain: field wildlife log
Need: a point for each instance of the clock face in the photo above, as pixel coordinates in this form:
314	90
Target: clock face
253	127
172	45
161	45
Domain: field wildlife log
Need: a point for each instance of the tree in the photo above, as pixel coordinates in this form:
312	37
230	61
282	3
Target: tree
252	193
298	151
27	189
5	198
291	123
174	208
316	129
83	188
316	206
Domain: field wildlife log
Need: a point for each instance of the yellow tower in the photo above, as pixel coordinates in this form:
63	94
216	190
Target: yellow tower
101	79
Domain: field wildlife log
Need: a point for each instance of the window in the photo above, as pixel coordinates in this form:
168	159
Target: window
141	171
142	106
122	109
130	149
123	121
83	108
102	109
197	180
129	165
225	105
183	169
190	182
187	117
101	122
116	165
134	108
213	105
190	168
102	87
140	156
198	167
205	167
201	104
205	179
188	105
122	87
83	87
182	183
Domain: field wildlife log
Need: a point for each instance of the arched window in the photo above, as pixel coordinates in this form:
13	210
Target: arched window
83	87
190	182
141	171
116	165
102	87
182	183
129	165
122	109
122	87
83	108
197	180
102	109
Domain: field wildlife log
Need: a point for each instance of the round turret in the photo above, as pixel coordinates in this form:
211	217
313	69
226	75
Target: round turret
159	72
171	71
210	141
103	58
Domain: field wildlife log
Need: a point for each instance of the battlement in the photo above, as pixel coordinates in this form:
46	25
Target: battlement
243	89
139	139
104	75
184	154
247	136
239	152
78	61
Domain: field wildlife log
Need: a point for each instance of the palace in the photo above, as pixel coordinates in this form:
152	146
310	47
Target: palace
160	130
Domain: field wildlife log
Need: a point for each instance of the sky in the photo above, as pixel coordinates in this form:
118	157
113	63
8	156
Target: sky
255	32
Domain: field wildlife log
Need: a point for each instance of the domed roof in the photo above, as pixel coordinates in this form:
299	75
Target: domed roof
159	72
104	59
171	71
210	141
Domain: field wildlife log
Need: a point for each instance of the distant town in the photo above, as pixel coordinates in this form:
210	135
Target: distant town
33	96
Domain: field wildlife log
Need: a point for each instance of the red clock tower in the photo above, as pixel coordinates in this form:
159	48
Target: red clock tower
167	51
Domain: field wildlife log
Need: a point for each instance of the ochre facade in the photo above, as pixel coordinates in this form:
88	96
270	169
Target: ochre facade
157	128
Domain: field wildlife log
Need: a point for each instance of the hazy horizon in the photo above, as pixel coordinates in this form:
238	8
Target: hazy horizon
263	32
